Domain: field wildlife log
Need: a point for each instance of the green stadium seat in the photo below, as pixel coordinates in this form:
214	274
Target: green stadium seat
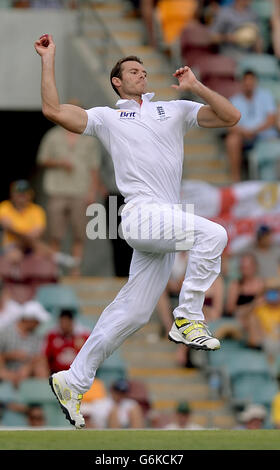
55	297
264	159
247	361
9	394
263	8
273	87
6	3
39	391
112	369
264	65
255	388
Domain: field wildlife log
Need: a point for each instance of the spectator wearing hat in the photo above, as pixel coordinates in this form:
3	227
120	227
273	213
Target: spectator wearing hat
23	222
183	418
116	410
236	29
21	344
64	342
258	121
252	417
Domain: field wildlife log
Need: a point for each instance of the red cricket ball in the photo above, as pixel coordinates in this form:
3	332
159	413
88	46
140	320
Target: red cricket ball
45	40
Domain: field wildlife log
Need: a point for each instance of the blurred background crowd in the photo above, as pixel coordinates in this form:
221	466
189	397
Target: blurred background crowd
55	281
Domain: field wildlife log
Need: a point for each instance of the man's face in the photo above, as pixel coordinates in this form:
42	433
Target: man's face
133	81
21	199
249	84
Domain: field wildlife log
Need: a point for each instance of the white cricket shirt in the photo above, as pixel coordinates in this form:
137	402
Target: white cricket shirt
146	144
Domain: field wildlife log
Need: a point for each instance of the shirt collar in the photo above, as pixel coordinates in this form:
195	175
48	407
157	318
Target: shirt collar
126	103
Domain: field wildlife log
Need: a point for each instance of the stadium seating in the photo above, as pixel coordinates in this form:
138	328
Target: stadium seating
264	160
264	65
39	391
218	72
55	297
8	394
195	43
254	387
112	369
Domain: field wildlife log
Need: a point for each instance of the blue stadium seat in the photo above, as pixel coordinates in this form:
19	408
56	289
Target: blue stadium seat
55	297
264	160
112	369
255	388
264	65
39	391
8	394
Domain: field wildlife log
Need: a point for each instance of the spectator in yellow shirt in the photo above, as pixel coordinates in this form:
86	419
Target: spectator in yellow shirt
23	222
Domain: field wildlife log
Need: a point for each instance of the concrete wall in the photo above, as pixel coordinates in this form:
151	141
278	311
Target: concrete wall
19	63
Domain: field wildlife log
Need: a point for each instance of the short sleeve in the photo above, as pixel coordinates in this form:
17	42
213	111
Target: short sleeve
95	119
189	110
269	102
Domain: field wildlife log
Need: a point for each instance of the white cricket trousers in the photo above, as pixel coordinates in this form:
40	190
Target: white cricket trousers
154	241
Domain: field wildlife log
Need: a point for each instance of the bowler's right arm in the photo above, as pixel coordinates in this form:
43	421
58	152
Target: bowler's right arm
73	118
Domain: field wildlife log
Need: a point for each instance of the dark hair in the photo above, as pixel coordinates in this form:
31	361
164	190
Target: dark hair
67	312
117	69
249	72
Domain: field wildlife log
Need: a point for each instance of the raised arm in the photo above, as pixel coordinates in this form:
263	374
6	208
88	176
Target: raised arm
218	112
73	118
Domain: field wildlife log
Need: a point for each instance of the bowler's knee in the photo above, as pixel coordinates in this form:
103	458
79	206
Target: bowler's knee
221	237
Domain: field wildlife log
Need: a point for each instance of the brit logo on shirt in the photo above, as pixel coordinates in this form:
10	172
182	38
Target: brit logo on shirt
161	114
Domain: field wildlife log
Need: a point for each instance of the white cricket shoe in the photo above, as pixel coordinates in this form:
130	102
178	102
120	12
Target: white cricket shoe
69	400
194	334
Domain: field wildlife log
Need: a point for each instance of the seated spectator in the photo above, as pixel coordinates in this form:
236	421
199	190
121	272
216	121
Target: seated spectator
23	222
116	410
258	118
275	411
183	418
71	182
21	344
266	323
245	292
266	253
64	342
35	415
275	26
235	29
253	417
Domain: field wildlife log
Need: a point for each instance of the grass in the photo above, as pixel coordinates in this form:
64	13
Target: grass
139	440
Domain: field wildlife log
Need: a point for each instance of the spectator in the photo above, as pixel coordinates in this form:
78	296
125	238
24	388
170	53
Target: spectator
35	415
245	292
71	182
275	410
20	346
23	222
253	417
258	118
275	26
235	29
64	342
183	418
116	410
266	323
266	253
147	11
